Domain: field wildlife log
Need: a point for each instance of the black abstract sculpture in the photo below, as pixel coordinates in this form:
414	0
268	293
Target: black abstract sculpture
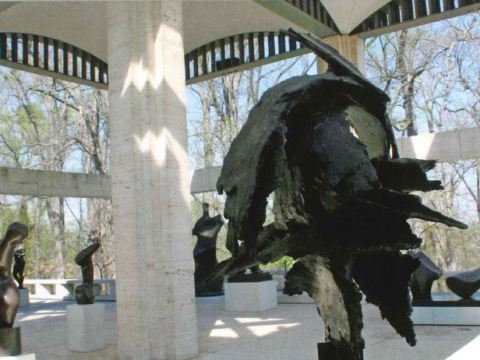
19	266
423	278
10	343
206	230
464	284
324	146
84	293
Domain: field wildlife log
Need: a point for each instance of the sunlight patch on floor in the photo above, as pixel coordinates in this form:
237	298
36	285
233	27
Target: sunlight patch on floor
40	316
223	333
264	330
470	351
255	320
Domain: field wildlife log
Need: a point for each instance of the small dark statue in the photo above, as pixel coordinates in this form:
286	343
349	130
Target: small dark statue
464	284
9	300
84	293
19	265
423	278
10	342
206	230
323	145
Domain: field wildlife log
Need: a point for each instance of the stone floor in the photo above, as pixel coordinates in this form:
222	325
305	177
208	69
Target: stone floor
288	332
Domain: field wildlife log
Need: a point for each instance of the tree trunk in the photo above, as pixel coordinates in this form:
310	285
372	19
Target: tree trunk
56	215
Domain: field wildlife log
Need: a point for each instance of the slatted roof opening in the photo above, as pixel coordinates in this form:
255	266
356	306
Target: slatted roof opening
238	52
315	9
401	11
52	57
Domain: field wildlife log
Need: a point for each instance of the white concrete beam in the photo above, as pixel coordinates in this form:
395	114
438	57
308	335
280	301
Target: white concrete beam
443	146
53	183
205	180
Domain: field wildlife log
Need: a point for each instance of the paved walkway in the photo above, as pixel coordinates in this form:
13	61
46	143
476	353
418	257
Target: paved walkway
288	332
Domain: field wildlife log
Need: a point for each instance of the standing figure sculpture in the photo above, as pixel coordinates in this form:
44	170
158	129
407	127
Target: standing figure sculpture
206	230
9	300
84	293
324	146
10	341
423	278
19	265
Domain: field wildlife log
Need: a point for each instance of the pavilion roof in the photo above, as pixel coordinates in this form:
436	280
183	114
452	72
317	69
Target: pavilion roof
210	23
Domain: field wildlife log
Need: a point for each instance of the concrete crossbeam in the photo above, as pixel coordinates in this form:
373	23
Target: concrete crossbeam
15	181
443	146
205	180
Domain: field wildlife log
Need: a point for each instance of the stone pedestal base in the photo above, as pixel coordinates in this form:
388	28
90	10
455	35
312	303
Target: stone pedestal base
325	351
19	357
446	315
24	297
10	341
86	327
250	296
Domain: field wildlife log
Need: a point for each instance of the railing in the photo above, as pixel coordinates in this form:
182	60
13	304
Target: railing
47	56
63	289
397	12
316	10
238	52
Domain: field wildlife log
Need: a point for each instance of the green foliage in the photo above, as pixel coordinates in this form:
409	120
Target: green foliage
284	264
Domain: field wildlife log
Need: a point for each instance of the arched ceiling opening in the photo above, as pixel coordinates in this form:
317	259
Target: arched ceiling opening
84	25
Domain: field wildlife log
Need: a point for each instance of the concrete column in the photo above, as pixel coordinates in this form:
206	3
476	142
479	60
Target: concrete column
150	181
350	47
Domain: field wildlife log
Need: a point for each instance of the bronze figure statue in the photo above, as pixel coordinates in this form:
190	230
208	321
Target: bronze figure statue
84	293
9	298
206	230
324	146
19	266
464	284
423	278
10	339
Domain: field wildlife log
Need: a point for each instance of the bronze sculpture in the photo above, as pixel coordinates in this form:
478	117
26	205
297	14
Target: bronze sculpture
325	147
9	301
19	266
84	293
423	278
464	284
206	230
10	343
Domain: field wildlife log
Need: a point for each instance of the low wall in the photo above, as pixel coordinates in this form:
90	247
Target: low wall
63	289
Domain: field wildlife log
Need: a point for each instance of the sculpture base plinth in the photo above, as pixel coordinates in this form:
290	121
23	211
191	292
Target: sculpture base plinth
325	351
86	327
250	296
24	297
446	315
10	341
252	277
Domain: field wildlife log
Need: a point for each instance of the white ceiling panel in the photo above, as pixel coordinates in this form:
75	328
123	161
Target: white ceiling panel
347	14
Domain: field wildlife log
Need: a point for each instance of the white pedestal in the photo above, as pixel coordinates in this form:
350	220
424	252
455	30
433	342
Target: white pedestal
446	315
86	327
24	297
250	296
19	357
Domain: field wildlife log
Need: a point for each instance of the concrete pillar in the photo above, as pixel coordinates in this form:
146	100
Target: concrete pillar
350	47
150	181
